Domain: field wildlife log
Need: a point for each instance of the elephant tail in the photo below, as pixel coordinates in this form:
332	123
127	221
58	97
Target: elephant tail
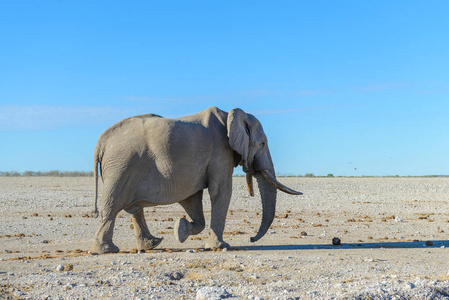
96	161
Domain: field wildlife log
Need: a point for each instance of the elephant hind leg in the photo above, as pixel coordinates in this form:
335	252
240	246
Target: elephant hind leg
145	240
194	208
103	238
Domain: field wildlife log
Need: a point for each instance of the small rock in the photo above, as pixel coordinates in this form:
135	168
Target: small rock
225	249
409	285
68	267
336	241
60	268
429	243
303	233
212	293
175	275
398	219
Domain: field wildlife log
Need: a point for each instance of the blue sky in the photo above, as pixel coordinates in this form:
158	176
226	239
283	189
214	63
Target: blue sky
342	87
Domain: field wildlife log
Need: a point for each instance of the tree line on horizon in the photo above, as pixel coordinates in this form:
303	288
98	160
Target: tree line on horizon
57	173
52	173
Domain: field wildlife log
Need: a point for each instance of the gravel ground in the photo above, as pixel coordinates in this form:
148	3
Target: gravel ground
393	234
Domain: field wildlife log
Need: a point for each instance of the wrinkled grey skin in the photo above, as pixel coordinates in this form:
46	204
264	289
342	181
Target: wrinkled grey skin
148	160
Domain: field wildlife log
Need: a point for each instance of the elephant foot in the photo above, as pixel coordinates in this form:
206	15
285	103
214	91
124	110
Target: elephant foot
182	230
215	244
101	248
148	243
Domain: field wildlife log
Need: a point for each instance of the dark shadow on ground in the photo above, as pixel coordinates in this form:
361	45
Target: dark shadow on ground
386	245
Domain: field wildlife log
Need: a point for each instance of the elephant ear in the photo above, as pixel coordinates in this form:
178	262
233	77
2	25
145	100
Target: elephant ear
238	133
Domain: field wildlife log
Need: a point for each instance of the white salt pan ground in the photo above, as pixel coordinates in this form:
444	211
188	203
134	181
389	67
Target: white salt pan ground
383	224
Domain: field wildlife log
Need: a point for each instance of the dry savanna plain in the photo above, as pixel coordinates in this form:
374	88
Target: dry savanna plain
393	236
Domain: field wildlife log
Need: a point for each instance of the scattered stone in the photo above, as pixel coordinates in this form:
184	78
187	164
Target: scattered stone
212	293
336	241
175	275
68	267
429	243
303	233
60	268
409	285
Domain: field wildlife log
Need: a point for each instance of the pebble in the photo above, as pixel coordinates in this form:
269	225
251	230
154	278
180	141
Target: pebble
175	275
212	293
60	268
410	285
336	241
398	219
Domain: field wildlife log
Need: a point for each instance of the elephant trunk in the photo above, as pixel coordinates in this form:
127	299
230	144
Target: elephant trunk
268	194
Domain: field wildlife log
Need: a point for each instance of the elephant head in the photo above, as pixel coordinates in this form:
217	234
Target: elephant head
247	138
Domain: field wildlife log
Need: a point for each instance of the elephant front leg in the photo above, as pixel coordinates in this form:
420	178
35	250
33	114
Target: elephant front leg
220	204
145	240
194	208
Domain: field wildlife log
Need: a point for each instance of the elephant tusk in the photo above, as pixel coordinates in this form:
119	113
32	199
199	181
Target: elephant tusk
249	183
270	178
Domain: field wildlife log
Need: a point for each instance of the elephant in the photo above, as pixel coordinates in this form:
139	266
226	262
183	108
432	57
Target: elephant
148	160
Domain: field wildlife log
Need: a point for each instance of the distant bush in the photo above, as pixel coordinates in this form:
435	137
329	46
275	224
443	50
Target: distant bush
309	175
330	175
53	173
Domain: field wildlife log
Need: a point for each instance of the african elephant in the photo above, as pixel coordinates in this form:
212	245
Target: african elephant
148	160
